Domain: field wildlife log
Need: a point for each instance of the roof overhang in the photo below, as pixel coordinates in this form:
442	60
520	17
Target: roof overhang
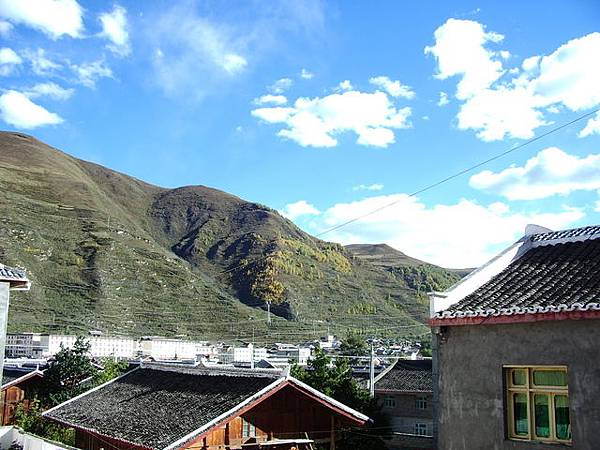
25	377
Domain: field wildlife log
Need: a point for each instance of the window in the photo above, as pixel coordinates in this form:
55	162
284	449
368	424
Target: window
421	429
389	401
248	429
537	400
421	403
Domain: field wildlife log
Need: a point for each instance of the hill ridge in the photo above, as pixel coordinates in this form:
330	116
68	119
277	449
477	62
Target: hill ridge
110	252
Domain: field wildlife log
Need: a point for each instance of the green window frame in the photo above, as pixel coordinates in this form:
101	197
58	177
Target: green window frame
537	399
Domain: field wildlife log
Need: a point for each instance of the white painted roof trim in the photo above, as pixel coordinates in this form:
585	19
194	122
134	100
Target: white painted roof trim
440	301
190	436
515	310
24	377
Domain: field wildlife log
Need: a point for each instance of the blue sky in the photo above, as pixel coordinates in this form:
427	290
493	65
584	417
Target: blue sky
326	110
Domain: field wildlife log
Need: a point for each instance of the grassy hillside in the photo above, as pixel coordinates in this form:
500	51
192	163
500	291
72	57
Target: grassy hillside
108	252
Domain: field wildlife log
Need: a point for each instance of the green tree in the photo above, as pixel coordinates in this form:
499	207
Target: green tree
110	369
335	380
354	345
31	420
63	378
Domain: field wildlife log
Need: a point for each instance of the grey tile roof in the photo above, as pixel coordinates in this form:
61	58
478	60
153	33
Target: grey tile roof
16	277
407	376
8	273
567	234
155	407
547	278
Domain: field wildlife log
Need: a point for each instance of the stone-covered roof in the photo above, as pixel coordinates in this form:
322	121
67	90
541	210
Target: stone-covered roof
156	407
406	376
161	406
16	277
559	273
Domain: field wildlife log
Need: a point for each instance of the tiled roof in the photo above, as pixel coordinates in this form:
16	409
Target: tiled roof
155	407
407	376
563	276
573	233
16	277
10	375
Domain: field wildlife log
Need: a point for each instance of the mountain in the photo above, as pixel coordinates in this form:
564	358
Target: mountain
109	252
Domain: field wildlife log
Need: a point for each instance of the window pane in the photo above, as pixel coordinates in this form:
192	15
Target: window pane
550	377
542	415
561	414
519	377
521	424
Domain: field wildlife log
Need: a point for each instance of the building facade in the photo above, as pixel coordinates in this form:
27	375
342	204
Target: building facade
405	393
516	347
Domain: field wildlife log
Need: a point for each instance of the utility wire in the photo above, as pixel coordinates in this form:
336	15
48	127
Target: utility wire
437	183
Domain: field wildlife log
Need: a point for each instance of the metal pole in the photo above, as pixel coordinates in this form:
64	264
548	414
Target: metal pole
269	313
372	372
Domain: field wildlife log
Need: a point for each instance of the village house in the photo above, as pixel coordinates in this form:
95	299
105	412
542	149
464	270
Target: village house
517	347
18	387
160	406
405	392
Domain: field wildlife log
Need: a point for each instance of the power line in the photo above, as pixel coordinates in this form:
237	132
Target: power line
461	172
435	184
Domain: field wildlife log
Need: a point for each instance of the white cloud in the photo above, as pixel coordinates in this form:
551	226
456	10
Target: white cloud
460	49
193	54
368	187
18	110
281	85
570	74
300	208
53	17
317	121
462	234
497	106
551	172
9	60
343	86
271	99
305	74
501	112
233	63
88	73
114	28
40	64
51	90
5	28
592	127
443	101
394	88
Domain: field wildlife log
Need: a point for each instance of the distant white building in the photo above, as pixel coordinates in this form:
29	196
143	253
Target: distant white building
232	355
291	353
161	348
40	345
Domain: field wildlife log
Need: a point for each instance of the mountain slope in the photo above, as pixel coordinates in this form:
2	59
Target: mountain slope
109	252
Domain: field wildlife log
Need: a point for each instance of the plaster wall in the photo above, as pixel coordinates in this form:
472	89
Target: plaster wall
470	386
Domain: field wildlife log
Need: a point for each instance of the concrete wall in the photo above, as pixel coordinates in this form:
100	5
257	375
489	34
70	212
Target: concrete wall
470	408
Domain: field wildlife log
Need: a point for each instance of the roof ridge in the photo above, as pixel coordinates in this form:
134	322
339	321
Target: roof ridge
567	235
217	371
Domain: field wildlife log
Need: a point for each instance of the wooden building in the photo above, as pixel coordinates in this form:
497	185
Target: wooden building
167	407
19	387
